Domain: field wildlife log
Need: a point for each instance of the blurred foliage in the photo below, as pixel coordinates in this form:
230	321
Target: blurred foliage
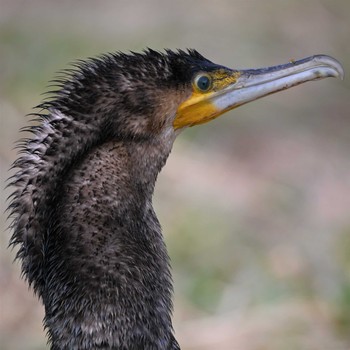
254	205
343	300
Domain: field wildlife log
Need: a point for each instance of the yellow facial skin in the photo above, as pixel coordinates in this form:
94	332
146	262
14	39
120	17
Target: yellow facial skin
199	109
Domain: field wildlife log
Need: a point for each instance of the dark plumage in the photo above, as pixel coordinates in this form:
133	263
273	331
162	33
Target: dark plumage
89	241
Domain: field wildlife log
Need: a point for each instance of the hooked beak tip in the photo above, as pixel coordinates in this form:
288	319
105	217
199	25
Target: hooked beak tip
336	69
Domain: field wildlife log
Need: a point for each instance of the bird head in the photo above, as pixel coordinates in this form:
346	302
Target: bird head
146	93
214	90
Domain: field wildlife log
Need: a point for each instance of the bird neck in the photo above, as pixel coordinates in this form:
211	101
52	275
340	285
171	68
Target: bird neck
147	158
107	271
91	245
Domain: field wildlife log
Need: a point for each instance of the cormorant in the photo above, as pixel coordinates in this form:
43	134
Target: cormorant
89	241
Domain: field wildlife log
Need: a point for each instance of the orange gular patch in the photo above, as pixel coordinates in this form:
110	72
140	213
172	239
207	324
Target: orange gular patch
196	110
199	108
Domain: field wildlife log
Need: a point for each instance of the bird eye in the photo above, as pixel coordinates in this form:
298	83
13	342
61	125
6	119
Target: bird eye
203	82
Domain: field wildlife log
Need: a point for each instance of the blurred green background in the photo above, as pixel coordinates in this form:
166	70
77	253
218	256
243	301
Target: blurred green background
254	206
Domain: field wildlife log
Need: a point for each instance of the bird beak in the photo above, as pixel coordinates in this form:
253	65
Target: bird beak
248	85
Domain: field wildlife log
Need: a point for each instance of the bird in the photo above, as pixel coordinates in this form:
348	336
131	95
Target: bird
88	239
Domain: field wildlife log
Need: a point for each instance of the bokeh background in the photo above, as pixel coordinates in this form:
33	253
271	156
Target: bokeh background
254	205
